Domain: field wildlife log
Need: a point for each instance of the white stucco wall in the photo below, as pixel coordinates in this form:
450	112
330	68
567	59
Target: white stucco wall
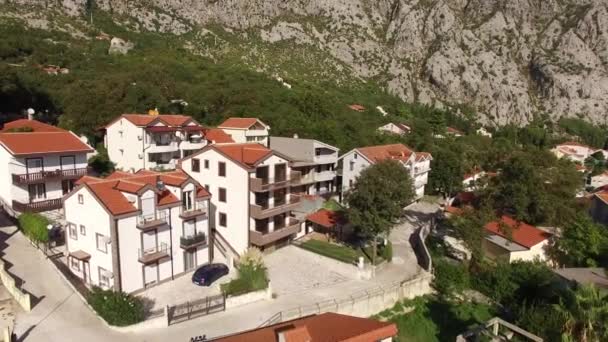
96	221
360	163
128	141
536	252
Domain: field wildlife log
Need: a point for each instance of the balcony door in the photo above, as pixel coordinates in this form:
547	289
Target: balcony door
147	208
37	192
280	172
150	274
189	260
67	162
189	228
187	200
149	242
34	165
262	172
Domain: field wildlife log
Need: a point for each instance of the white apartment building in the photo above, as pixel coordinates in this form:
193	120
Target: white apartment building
40	164
140	141
246	130
131	231
574	151
315	160
253	196
395	128
417	164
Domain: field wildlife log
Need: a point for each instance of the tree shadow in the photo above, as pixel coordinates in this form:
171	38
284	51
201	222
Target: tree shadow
449	324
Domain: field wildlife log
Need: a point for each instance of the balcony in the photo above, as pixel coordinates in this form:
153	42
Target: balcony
267	184
193	241
264	211
264	238
192	144
162	147
40	177
325	176
152	221
326	159
199	209
153	254
421	170
37	207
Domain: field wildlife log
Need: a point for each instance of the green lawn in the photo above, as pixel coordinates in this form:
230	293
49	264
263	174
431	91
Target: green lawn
339	252
433	319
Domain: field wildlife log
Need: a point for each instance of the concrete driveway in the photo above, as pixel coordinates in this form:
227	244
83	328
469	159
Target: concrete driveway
180	291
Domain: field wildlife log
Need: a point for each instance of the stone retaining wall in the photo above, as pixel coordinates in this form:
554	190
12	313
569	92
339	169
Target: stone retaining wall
23	298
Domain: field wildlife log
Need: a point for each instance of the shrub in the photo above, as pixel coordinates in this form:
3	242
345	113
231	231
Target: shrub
117	308
450	279
252	275
34	227
387	252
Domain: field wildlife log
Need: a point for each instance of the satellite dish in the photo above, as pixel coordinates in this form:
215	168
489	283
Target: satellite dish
31	111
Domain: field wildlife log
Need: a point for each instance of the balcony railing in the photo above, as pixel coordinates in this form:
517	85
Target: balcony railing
193	241
42	176
153	254
151	221
162	147
264	238
263	211
419	170
37	207
198	209
266	184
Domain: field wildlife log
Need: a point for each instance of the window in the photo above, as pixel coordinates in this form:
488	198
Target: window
104	280
37	191
196	165
206	163
80	199
352	166
221	169
223	220
187	203
350	183
356	156
207	187
67	185
75	264
102	245
317	152
83	230
67	162
222	194
73	232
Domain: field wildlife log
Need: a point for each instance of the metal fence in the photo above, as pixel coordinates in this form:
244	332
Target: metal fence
192	309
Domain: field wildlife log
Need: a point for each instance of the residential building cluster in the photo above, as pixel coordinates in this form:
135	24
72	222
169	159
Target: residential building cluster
183	194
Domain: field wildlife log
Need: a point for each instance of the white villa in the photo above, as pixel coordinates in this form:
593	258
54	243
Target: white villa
253	195
130	231
574	151
524	242
315	160
246	130
40	164
395	128
417	164
152	141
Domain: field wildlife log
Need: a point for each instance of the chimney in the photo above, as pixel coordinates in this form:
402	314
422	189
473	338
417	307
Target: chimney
295	136
160	185
30	113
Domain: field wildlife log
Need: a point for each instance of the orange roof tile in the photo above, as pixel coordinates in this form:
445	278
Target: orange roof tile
602	195
357	107
383	152
218	136
575	143
239	123
248	154
145	119
111	198
326	218
522	233
119	175
327	327
453	130
35	125
43	142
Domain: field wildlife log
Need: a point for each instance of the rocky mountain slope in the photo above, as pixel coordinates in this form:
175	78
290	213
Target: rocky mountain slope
508	59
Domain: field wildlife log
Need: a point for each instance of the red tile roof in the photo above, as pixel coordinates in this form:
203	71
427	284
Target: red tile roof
357	107
35	125
218	136
575	143
327	327
146	119
403	127
522	233
248	154
109	191
326	218
43	142
383	152
239	123
453	130
602	195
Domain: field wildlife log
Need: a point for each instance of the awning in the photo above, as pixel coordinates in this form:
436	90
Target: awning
80	255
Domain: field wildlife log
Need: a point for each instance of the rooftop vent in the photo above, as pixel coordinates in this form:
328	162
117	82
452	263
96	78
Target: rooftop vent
160	185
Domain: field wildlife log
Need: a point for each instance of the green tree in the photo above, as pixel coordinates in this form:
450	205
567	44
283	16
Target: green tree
582	243
377	199
34	226
101	163
447	170
585	311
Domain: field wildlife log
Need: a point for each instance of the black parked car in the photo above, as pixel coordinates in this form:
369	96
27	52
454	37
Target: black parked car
207	274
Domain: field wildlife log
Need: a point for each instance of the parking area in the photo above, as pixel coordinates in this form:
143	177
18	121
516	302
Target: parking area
180	291
293	270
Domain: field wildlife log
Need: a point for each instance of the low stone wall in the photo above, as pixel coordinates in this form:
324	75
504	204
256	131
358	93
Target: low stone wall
248	298
364	303
338	266
23	298
419	245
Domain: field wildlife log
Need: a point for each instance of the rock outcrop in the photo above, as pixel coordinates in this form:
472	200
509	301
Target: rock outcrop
508	59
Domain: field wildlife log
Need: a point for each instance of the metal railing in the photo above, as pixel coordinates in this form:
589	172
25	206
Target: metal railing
193	240
198	209
263	238
37	207
37	177
158	218
265	184
153	253
262	211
